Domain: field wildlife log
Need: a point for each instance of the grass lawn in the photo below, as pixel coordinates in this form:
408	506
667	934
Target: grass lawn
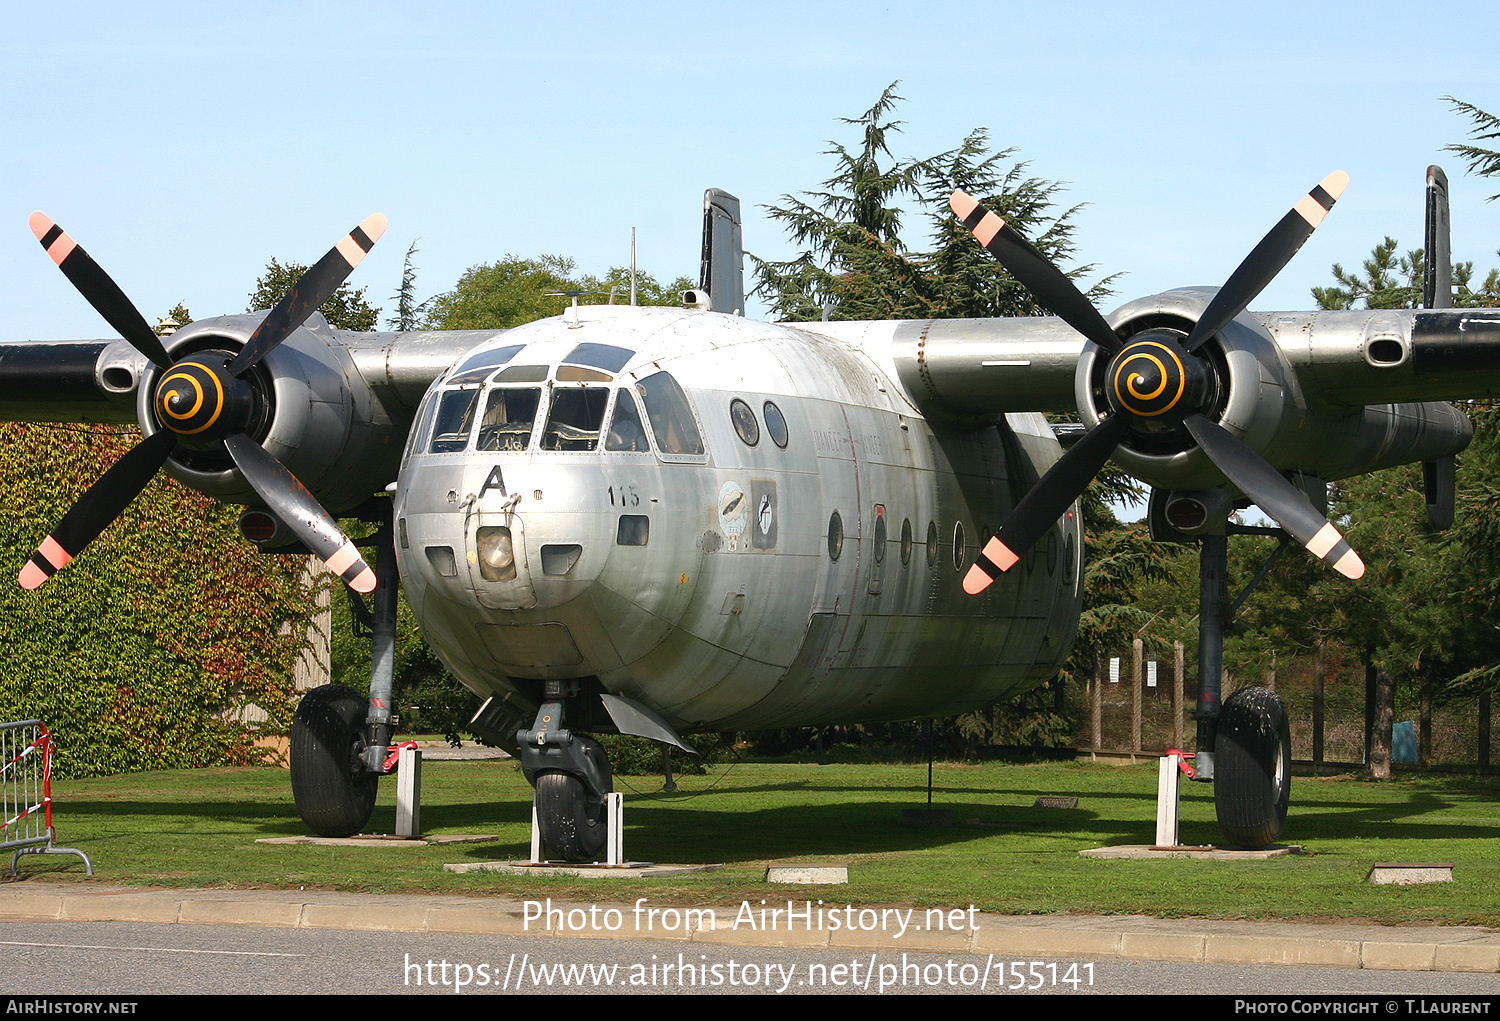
197	828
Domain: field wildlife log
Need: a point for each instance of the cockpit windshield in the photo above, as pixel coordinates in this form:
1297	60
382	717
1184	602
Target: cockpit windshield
508	417
454	418
479	366
575	419
626	431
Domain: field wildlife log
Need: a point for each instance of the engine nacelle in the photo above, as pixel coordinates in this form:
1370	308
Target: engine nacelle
314	413
1254	394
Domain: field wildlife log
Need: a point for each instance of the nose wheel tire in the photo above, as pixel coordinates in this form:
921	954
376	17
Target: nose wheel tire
571	817
333	792
1253	767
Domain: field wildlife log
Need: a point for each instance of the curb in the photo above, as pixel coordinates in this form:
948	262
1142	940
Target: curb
1390	948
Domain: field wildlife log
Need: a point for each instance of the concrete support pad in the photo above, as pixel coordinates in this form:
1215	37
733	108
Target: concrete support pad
807	874
629	870
1406	875
384	840
1204	851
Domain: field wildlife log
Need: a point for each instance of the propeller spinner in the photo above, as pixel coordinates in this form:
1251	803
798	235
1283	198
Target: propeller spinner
201	401
1155	381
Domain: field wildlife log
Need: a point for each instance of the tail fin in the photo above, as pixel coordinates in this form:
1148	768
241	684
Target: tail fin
1440	477
722	273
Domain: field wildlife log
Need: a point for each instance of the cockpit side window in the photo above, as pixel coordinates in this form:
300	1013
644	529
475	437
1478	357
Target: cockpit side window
508	418
670	415
455	416
576	418
420	425
626	431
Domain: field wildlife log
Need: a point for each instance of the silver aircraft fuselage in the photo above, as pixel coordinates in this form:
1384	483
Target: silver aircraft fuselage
737	524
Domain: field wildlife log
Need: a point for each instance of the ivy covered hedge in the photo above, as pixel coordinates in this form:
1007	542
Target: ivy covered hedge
148	651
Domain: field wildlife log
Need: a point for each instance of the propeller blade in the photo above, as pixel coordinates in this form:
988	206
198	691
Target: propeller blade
308	294
104	501
1048	500
1287	505
96	286
1048	284
1268	258
290	501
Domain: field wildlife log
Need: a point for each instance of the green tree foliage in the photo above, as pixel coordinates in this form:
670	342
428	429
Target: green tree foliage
346	309
168	643
855	262
179	315
1484	162
514	291
1392	281
409	311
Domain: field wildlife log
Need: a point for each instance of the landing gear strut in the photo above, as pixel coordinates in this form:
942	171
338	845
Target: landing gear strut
571	775
340	739
1244	744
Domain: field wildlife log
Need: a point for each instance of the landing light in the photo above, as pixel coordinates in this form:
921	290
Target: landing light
497	558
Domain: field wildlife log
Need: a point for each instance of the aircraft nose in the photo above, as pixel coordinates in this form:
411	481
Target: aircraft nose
535	553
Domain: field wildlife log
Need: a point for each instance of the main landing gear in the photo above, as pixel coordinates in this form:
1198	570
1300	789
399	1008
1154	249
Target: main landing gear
1244	744
334	792
1254	765
340	739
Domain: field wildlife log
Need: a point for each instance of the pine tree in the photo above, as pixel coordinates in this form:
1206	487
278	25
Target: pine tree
1484	162
855	263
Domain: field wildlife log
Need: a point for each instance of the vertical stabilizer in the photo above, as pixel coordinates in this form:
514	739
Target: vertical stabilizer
1440	477
1437	274
722	273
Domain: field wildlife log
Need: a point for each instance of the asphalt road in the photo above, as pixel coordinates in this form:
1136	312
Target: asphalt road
86	940
126	959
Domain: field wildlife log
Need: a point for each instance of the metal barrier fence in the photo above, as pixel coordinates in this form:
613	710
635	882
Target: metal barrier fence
26	793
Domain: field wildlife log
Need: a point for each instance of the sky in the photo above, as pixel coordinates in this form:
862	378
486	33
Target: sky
184	145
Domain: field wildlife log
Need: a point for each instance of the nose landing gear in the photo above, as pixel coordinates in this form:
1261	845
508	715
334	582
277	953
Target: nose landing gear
571	775
571	815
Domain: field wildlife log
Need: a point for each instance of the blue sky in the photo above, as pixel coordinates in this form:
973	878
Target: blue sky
186	144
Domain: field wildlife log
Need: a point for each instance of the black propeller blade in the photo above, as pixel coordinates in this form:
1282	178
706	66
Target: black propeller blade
201	398
1287	505
1048	500
300	511
1268	258
1155	377
1035	271
104	501
308	294
96	286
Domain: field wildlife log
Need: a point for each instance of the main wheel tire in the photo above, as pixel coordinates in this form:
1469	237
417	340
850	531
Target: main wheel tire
1252	767
334	793
573	821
